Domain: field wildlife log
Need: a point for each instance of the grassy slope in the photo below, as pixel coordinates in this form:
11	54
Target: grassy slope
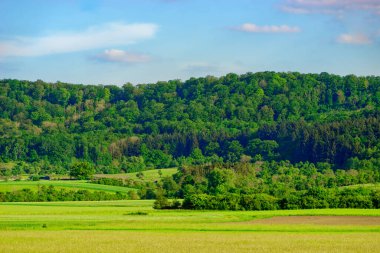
7	166
371	186
73	185
114	226
149	175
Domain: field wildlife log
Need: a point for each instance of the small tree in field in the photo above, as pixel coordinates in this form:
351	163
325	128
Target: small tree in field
161	201
81	170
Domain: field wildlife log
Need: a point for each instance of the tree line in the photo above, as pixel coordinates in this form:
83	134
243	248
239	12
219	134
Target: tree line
269	186
316	198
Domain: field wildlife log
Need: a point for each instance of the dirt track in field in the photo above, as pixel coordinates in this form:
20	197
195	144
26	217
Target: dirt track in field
320	220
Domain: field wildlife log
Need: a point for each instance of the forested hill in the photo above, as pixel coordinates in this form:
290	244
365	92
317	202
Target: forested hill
320	118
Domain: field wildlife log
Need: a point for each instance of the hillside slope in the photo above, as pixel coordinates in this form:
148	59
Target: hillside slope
320	118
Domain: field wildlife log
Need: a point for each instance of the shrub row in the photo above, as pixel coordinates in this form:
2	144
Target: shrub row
49	193
108	181
230	202
118	182
312	199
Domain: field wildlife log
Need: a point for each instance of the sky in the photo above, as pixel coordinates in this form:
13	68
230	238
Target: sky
145	41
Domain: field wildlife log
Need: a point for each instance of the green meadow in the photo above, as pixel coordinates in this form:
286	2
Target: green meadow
134	226
66	184
147	176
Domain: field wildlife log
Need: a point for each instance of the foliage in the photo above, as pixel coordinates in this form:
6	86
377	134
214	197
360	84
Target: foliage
268	116
81	170
312	199
270	186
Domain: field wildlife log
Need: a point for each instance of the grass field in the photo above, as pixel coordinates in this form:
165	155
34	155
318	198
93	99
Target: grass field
67	184
133	226
149	175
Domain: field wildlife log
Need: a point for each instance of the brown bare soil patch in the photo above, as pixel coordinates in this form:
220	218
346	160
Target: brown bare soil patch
320	220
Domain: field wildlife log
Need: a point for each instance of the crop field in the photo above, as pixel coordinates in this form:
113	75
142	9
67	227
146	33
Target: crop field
67	184
133	226
148	175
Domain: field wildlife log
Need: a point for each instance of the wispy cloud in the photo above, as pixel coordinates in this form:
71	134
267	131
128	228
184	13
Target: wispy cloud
349	13
196	68
106	35
202	68
357	39
253	28
330	6
116	55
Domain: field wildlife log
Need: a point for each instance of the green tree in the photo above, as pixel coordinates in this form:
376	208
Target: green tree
81	170
234	151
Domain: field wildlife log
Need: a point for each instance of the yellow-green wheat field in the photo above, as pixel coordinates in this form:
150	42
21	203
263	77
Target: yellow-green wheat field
133	226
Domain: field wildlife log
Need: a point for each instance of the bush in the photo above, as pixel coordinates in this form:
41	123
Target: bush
108	181
355	198
161	203
34	178
376	198
197	202
81	170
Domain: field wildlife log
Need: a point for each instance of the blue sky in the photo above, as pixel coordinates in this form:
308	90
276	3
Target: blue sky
142	41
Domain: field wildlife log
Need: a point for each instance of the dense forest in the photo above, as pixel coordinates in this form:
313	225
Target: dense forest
268	116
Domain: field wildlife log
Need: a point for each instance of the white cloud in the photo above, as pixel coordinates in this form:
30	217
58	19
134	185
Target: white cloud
358	39
252	28
106	35
116	55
